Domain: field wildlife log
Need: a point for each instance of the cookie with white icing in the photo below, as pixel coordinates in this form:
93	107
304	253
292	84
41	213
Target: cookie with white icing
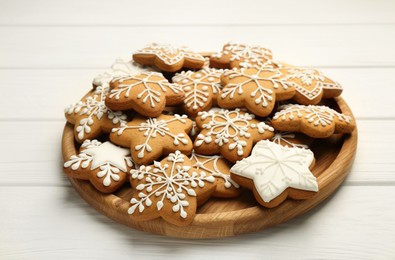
105	165
152	138
147	93
291	139
171	189
235	55
91	117
219	168
168	58
314	121
274	172
231	133
255	89
201	89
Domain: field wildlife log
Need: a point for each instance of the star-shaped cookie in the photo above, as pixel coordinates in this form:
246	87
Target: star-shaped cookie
105	165
232	133
150	138
201	89
274	172
169	58
314	121
147	93
171	189
91	117
255	89
235	55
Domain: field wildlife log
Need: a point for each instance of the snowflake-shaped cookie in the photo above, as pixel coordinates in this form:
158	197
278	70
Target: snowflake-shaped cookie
219	168
311	85
150	138
291	139
314	121
120	68
169	58
275	172
201	89
231	133
171	189
91	116
105	165
147	93
256	89
235	55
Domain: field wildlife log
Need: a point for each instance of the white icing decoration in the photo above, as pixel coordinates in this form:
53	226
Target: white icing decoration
120	68
94	106
226	127
108	157
273	168
285	137
202	160
169	54
263	93
316	115
190	82
171	187
151	128
149	94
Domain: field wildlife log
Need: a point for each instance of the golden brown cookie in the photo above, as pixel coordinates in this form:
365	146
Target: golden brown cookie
219	168
105	165
291	139
232	133
91	117
147	93
171	189
201	89
314	121
234	55
151	138
274	172
255	89
168	58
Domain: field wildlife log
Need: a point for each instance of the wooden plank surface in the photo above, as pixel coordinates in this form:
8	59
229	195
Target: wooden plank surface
96	47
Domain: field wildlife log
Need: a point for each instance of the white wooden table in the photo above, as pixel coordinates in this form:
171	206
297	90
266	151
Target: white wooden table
51	50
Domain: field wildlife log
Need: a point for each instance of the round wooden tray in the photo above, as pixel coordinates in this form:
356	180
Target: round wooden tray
229	217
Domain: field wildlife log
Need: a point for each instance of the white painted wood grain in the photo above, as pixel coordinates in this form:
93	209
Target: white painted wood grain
33	156
47	92
122	12
55	223
96	47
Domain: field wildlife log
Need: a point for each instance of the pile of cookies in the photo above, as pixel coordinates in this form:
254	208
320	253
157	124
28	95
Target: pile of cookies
178	128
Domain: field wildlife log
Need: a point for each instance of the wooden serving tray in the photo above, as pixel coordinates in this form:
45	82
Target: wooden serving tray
229	217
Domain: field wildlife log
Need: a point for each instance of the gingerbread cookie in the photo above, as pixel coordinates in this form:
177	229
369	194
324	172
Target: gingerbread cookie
219	168
256	89
168	58
234	55
230	133
291	139
201	89
314	121
105	165
274	172
91	117
147	93
171	189
120	68
151	138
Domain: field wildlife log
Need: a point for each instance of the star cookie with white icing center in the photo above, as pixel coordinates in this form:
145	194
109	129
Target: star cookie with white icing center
232	133
171	189
314	121
151	138
147	93
169	58
274	172
201	89
105	165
